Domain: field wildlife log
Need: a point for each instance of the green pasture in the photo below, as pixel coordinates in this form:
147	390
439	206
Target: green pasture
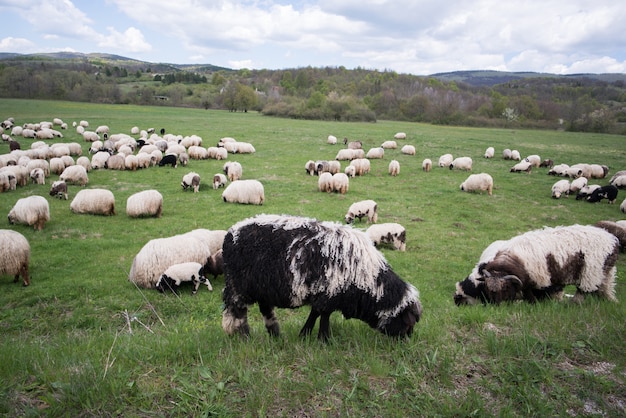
84	341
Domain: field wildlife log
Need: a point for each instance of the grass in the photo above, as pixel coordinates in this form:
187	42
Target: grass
83	341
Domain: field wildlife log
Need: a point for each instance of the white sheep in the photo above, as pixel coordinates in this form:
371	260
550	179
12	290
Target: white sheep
515	155
361	165
534	160
622	207
389	145
75	174
59	189
558	170
427	164
461	163
400	135
349	154
560	188
522	166
244	191
445	160
191	180
145	203
94	202
489	152
578	184
478	183
394	168
408	150
341	183
176	274
367	208
99	160
14	255
32	210
219	180
350	171
332	140
375	153
84	162
37	176
233	170
325	182
389	233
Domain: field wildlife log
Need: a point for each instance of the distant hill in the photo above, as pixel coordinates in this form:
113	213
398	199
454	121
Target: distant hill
488	78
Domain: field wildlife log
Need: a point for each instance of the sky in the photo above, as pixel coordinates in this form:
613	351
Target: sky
419	37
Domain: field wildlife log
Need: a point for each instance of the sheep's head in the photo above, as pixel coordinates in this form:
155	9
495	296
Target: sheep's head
402	324
487	289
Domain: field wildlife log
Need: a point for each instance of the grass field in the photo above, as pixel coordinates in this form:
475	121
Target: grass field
84	341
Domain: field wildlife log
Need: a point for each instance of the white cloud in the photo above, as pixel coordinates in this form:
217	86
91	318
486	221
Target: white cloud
132	40
18	45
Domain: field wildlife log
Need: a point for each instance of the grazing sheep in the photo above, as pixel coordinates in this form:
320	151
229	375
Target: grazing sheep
288	262
14	255
408	150
169	159
191	181
461	163
445	160
145	203
522	166
558	170
427	165
347	154
361	166
515	155
84	162
310	168
322	166
233	170
332	140
586	191
94	202
59	189
490	152
561	187
394	168
615	176
219	180
368	208
547	163
160	253
389	145
176	274
540	263
616	229
608	192
56	165
506	154
116	162
400	135
341	183
244	191
354	144
375	153
391	233
38	163
37	176
577	184
350	171
131	162
534	160
75	174
478	183
325	182
619	181
32	210
99	160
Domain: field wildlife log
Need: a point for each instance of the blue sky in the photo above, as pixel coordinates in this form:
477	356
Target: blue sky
409	36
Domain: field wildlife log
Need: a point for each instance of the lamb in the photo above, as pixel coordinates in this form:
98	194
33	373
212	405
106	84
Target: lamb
191	180
341	183
461	163
310	168
145	204
37	176
59	189
445	160
427	165
408	150
233	170
540	263
183	272
608	192
287	262
245	192
332	140
33	211
368	208
350	171
561	187
325	182
375	153
219	180
160	253
478	183
394	168
14	255
75	174
391	233
490	152
94	202
522	166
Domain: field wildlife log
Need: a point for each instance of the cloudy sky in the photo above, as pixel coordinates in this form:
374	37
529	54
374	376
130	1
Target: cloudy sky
409	36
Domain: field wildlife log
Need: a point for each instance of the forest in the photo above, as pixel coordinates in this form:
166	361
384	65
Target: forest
581	103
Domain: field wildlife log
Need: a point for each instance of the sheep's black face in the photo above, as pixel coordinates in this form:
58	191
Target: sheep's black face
469	292
403	324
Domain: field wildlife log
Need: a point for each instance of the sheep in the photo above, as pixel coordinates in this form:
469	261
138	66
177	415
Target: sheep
389	145
215	265
615	176
354	144
94	202
183	272
618	181
616	229
332	140
461	163
361	166
191	180
547	163
310	168
478	183
391	233
322	166
341	183
427	164
158	254
90	136
522	166
219	180
244	191
349	154
534	160
198	153
375	153
14	255
400	135
515	155
445	160
561	187
394	168
59	189
608	192
408	150
489	152
116	162
368	208
169	159
37	176
84	162
586	191
577	184
325	182
350	171
540	263
32	210
183	158
288	261
233	170
38	163
75	174
558	170
99	160
145	203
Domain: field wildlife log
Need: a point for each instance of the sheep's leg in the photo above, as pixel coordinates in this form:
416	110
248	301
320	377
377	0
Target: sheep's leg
271	322
310	323
324	332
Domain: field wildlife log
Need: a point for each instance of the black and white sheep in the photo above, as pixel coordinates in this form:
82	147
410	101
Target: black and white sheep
59	189
427	164
94	202
219	180
608	192
490	152
180	273
522	167
191	181
75	174
364	208
145	204
394	168
32	210
14	255
287	262
390	233
169	159
233	170
215	264
244	191
540	263
561	188
445	160
341	183
478	183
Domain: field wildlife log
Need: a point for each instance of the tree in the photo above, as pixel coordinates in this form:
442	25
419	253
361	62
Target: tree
245	97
